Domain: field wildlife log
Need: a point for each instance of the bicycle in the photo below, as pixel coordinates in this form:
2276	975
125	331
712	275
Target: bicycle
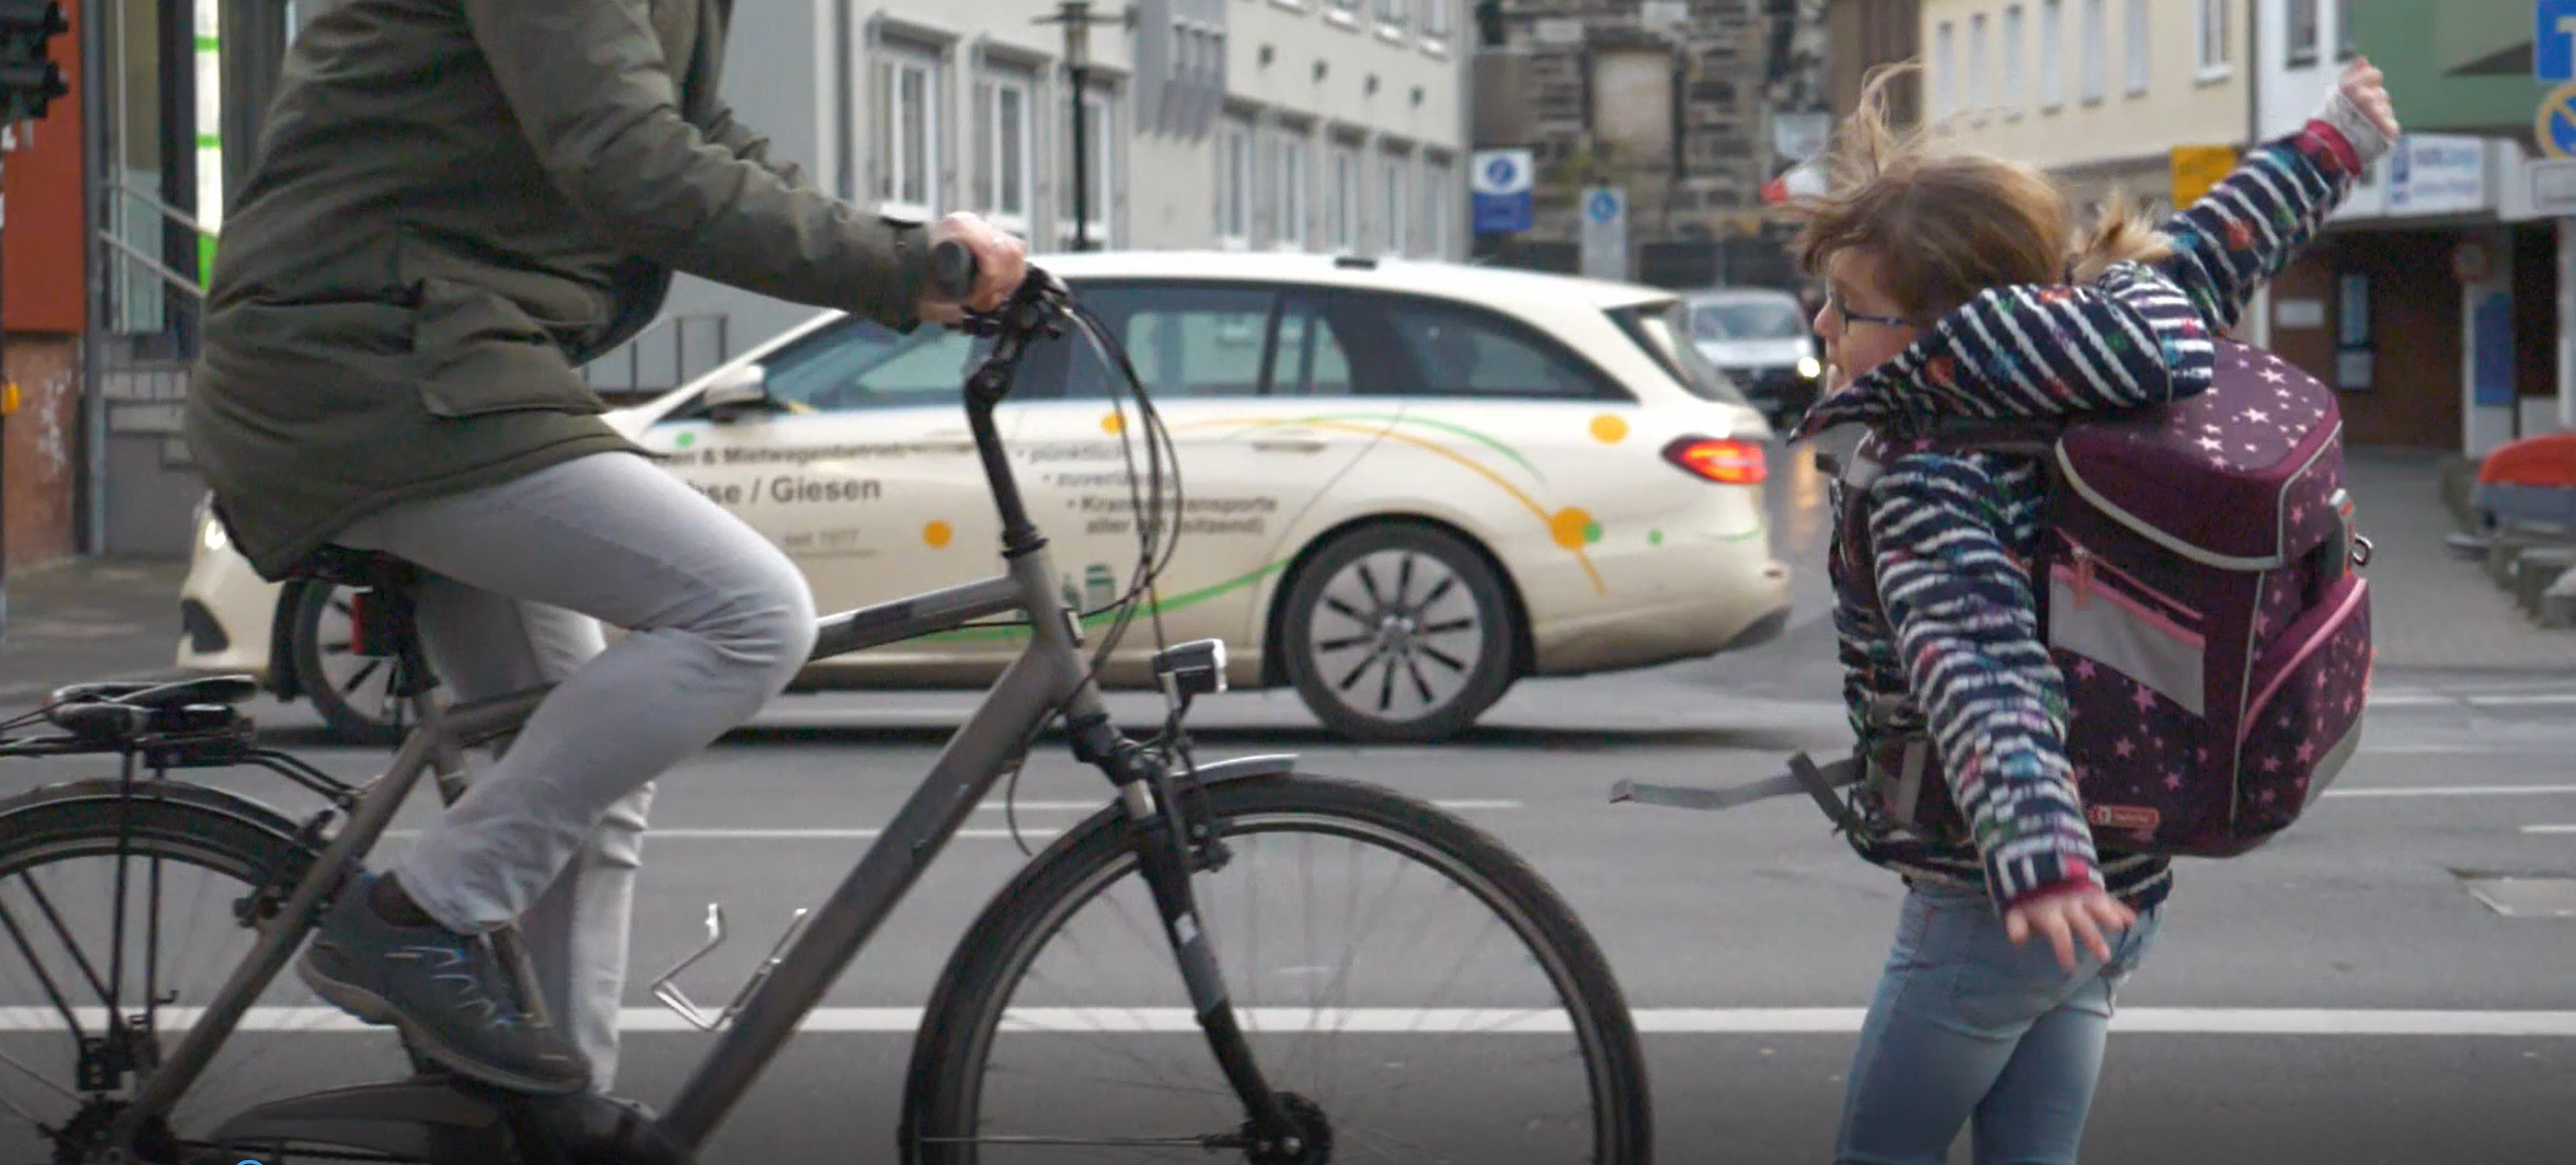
1172	820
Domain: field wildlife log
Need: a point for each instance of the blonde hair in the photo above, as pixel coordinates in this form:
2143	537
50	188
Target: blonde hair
1947	225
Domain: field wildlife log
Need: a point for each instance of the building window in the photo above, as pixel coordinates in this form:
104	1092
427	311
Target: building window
1006	150
2344	50
1398	173
1342	199
1945	71
2300	45
2052	53
2213	38
1435	207
908	132
1346	13
2095	50
1099	133
1288	168
1234	181
2141	35
2013	95
1977	76
1435	22
1390	17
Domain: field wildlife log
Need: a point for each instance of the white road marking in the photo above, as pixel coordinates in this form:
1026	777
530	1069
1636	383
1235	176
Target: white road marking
1463	805
2451	791
1474	1021
2549	829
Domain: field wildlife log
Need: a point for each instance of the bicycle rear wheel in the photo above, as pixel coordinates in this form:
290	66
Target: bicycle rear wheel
122	910
1062	1030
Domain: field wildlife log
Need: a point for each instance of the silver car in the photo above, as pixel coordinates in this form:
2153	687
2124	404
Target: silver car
1762	338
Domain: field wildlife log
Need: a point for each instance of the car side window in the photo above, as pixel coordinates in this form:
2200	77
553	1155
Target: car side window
1440	349
1188	342
857	364
1309	359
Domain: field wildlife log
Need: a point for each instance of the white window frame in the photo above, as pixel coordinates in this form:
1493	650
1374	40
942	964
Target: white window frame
1345	13
991	150
1293	182
1393	19
1233	217
1395	195
2051	55
1437	29
2293	54
2215	37
2015	96
1945	70
892	65
2093	53
1100	131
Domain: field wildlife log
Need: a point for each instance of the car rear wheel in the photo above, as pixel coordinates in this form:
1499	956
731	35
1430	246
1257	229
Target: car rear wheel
1398	633
349	690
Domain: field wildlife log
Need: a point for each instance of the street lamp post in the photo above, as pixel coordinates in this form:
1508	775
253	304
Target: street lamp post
1077	19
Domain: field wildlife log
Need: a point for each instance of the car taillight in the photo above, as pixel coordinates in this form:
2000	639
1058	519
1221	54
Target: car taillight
1725	461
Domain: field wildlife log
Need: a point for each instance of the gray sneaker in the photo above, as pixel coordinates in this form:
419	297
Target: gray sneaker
444	990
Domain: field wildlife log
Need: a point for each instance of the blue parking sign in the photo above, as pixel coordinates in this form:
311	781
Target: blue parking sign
2553	40
1501	186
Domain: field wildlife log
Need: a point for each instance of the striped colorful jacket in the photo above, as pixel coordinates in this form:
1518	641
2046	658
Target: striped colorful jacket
1953	635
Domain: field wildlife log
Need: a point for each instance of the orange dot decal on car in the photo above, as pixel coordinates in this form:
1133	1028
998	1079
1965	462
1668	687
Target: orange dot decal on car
937	533
1574	528
1112	423
1609	429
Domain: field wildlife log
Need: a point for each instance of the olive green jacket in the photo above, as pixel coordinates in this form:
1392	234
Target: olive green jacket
457	203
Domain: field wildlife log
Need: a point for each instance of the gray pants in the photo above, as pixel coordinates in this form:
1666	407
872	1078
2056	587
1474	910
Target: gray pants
522	576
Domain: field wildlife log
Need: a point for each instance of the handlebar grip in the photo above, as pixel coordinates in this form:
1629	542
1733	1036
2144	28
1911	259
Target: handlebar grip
952	269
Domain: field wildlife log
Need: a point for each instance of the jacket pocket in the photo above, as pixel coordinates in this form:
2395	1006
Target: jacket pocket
479	353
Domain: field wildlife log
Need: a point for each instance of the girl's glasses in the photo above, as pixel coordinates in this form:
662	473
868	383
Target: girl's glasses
1850	317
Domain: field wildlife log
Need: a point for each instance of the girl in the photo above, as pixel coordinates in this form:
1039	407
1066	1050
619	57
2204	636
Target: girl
1947	295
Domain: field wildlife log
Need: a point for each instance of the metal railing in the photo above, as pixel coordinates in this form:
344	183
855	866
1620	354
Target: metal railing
669	336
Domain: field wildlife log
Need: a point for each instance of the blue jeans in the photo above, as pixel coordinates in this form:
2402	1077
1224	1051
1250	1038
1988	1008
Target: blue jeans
1968	1025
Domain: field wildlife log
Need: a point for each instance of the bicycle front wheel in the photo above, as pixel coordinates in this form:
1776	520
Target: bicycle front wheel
1419	991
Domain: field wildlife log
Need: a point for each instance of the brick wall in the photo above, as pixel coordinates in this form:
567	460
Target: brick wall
43	443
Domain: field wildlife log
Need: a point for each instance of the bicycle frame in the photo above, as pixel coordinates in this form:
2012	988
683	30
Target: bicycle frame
1050	673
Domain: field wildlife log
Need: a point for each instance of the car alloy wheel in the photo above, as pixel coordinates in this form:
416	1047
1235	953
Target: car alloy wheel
1399	632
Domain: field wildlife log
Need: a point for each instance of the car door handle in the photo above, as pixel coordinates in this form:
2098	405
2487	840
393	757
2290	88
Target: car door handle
1288	444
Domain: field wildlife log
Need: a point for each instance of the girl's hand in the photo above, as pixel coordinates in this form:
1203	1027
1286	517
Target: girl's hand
2066	915
2361	85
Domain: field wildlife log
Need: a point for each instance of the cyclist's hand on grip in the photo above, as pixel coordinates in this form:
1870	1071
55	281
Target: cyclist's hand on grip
997	263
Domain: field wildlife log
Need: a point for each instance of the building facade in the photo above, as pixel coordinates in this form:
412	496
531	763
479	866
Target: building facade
1297	124
2098	92
2433	301
1676	103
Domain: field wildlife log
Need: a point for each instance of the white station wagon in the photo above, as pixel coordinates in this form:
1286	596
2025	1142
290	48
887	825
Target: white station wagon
1407	485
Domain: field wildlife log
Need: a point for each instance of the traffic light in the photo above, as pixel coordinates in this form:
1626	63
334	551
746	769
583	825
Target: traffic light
29	79
1489	23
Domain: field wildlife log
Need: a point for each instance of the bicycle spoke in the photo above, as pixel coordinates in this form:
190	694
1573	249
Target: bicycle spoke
53	992
7	1060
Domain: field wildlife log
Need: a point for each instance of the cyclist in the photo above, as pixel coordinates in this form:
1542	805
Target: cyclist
455	204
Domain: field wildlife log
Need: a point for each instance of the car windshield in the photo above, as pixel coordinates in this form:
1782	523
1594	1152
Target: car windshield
1747	319
1658	328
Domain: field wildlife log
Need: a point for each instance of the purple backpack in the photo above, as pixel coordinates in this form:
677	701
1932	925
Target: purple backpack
2201	602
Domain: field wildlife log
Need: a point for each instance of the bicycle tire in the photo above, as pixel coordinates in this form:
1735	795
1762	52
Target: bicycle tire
943	1087
228	836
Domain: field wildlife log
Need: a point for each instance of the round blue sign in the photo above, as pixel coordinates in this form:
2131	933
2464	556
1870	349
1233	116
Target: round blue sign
1605	206
2560	117
1499	172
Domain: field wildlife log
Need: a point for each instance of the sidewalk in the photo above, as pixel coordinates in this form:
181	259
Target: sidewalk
79	619
2431	610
